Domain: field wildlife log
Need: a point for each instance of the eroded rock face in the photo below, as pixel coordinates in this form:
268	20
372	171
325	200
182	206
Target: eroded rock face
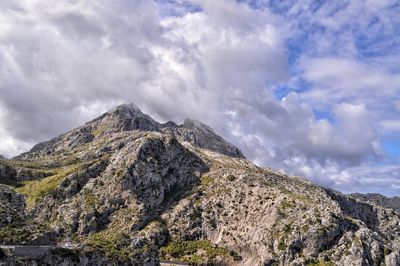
133	190
7	173
142	176
15	226
380	200
202	136
12	206
267	217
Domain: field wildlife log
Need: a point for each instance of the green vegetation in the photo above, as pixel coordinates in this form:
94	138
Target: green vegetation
73	254
201	251
351	220
113	246
305	228
286	204
20	233
295	195
282	245
38	189
357	241
315	262
206	180
387	250
99	130
91	199
287	229
25	164
231	178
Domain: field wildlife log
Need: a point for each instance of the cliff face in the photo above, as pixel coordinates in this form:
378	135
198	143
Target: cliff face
380	200
125	188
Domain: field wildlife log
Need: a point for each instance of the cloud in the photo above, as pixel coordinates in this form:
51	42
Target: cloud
336	80
371	178
60	58
63	63
390	125
56	58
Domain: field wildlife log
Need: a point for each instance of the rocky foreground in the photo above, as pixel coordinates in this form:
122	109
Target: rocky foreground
124	189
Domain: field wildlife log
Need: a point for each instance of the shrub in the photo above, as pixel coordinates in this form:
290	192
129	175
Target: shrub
282	245
231	178
188	251
67	253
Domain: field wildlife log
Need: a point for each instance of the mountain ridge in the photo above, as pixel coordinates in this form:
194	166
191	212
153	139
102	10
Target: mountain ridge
125	189
127	117
378	199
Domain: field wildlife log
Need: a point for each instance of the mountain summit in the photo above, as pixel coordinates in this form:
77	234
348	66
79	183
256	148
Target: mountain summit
128	117
124	189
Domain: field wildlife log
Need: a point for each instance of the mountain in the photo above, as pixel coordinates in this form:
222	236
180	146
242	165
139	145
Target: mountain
128	117
125	189
380	200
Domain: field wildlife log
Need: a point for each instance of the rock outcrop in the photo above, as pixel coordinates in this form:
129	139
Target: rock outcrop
12	206
380	200
128	117
126	189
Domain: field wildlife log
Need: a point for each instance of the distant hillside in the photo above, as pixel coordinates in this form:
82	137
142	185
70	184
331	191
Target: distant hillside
378	199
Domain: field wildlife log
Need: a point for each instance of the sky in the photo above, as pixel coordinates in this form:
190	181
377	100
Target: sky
309	88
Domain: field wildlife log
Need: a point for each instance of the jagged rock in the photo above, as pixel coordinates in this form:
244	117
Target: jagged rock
128	187
201	135
380	200
128	117
12	206
7	173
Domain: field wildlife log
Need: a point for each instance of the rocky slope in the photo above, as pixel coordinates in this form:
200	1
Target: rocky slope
127	189
380	200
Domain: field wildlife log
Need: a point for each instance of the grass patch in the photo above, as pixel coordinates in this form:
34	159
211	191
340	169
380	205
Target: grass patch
113	246
282	245
287	205
206	180
201	251
91	199
35	190
20	233
287	229
315	262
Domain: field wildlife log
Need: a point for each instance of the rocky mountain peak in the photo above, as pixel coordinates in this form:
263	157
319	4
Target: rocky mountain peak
125	117
128	117
129	110
196	125
203	136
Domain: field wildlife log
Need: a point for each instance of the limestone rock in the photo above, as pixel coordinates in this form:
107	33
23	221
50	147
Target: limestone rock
12	206
128	190
128	117
380	200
